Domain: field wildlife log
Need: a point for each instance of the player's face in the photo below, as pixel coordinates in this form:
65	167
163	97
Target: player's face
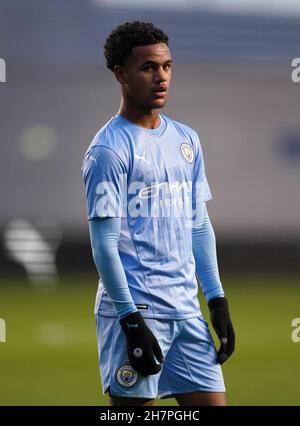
147	76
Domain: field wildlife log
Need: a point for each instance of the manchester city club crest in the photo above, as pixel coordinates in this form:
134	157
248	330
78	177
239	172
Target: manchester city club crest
127	376
187	152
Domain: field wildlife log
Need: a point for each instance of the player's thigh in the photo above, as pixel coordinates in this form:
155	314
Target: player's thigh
201	399
119	401
191	364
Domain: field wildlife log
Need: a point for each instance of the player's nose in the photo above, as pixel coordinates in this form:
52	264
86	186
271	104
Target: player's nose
160	76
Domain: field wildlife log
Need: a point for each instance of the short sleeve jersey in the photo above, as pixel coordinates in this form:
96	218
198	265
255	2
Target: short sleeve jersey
154	180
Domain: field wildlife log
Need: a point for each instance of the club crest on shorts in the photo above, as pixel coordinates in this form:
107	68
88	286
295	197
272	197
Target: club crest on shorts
187	152
127	376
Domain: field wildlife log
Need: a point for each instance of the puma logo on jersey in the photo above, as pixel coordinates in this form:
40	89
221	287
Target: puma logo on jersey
141	157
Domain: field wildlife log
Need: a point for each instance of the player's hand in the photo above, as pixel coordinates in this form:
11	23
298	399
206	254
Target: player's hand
142	346
220	319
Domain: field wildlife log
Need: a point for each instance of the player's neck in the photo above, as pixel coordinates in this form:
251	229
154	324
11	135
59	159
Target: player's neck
148	119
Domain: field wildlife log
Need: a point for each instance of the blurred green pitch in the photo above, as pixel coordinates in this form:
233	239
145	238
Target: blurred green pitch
50	357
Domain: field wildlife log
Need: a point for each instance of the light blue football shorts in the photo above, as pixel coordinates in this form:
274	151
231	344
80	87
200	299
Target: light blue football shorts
190	359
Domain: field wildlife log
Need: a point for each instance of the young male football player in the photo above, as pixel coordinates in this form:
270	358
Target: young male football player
152	239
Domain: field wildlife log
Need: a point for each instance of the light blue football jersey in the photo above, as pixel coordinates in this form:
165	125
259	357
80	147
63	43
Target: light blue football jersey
154	179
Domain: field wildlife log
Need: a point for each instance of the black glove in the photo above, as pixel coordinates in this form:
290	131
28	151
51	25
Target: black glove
220	319
142	345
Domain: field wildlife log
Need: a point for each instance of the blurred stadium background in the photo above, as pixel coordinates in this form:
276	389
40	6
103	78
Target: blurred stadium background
232	83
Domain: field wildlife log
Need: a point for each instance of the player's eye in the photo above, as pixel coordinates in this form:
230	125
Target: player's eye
148	68
167	66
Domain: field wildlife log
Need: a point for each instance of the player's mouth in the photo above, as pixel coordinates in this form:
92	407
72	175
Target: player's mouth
159	92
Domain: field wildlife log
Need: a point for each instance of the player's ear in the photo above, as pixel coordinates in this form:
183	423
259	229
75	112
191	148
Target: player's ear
120	74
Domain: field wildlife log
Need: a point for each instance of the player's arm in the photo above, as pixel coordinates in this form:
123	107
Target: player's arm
104	235
207	272
104	174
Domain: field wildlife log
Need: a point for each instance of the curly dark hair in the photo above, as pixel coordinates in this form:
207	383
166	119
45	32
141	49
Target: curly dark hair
125	37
